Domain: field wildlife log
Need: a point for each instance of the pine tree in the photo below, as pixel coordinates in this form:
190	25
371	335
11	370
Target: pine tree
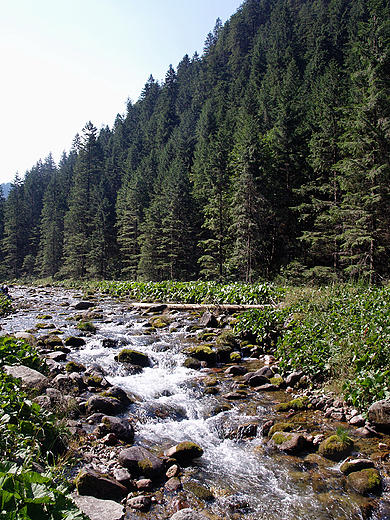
15	236
55	206
84	224
365	171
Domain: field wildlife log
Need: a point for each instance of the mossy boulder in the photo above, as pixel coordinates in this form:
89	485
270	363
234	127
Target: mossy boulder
193	363
140	461
133	357
122	428
279	427
235	357
335	448
200	491
289	442
72	366
94	380
300	403
104	404
158	322
367	481
223	353
86	326
92	483
203	353
53	341
119	394
184	452
352	465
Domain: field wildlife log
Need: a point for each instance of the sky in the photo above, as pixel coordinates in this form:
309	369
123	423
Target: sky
67	62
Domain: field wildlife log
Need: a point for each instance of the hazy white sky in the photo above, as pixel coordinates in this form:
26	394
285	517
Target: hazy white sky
65	62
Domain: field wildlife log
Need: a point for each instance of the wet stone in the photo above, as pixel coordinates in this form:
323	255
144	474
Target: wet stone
140	503
173	484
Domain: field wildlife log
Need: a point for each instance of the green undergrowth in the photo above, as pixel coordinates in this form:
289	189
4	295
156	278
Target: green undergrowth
337	334
195	292
5	305
31	448
200	292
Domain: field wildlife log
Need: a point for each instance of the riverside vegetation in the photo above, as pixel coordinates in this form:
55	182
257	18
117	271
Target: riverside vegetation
337	335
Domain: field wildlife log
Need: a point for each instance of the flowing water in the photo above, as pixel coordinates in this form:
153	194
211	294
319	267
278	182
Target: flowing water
248	481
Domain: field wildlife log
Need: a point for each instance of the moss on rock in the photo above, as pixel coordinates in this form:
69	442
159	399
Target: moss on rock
280	427
201	492
366	481
335	448
300	403
133	357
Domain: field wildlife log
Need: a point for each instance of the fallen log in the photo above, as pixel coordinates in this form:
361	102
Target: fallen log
223	307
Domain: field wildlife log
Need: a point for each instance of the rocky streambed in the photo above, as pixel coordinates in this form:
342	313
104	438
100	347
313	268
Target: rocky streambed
170	418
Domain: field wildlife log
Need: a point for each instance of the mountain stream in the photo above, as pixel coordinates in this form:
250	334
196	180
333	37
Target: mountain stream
247	480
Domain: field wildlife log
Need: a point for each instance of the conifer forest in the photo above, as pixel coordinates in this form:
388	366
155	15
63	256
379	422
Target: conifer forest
266	155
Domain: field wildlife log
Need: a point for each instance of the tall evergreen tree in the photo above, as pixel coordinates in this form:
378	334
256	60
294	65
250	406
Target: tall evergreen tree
84	223
15	230
365	170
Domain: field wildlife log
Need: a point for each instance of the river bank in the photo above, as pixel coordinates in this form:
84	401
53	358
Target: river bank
214	405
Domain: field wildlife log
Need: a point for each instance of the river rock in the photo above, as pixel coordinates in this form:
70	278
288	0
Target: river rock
74	341
357	420
200	491
193	363
265	371
208	320
140	503
173	484
293	378
69	383
110	343
268	387
83	305
96	484
184	452
256	380
203	353
97	509
379	414
120	394
54	367
140	461
124	477
161	307
351	465
29	377
56	356
122	428
289	442
104	404
54	341
172	471
188	514
236	370
133	357
334	448
144	484
43	401
366	481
